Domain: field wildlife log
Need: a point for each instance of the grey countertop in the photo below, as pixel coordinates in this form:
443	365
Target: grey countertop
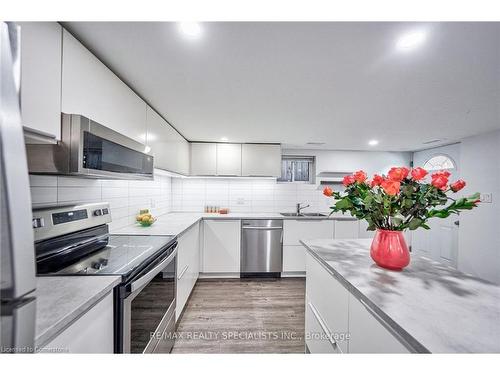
430	306
61	300
176	223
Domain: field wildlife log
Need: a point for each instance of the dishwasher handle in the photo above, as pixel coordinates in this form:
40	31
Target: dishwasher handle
263	228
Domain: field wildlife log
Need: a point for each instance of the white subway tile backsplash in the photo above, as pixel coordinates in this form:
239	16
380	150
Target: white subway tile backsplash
79	194
43	195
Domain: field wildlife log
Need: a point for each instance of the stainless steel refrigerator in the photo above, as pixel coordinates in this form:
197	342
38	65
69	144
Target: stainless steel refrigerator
17	261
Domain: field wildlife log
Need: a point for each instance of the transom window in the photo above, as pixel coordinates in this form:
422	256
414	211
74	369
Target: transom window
439	162
297	169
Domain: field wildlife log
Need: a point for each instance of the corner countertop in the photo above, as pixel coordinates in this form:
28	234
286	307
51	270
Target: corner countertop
176	223
430	306
60	300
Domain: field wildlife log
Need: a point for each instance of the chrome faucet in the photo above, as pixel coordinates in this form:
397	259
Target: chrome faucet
299	208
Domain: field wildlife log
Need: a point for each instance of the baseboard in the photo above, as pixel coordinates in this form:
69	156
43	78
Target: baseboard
219	275
293	274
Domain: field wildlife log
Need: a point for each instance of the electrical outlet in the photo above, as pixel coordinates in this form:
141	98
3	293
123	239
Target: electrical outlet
486	197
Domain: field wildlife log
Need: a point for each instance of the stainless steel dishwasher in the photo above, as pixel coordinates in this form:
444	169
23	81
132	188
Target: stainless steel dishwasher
261	248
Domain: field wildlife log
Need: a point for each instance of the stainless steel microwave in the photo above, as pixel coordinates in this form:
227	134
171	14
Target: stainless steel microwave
89	149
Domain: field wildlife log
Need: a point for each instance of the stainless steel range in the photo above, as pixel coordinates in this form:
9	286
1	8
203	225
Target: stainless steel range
74	240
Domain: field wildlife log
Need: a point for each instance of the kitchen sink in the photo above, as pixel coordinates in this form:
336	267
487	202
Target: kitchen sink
305	214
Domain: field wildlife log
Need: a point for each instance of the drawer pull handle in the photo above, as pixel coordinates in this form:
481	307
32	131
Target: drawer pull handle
322	324
182	272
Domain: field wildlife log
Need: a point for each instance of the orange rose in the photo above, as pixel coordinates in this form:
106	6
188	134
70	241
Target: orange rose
457	185
391	187
348	180
360	176
328	191
376	180
418	173
398	173
439	181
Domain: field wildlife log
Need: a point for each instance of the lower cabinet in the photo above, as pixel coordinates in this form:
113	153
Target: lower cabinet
345	229
221	246
188	266
337	322
294	258
91	333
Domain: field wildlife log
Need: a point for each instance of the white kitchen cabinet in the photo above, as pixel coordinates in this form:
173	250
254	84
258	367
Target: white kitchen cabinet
221	246
89	88
166	145
346	229
41	48
203	159
294	258
367	334
188	266
261	160
330	299
318	338
228	159
91	333
305	229
363	232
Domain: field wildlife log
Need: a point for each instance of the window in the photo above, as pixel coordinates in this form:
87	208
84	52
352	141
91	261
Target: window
297	169
439	162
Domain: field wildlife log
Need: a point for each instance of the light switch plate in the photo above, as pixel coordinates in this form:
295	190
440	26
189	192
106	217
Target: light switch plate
486	197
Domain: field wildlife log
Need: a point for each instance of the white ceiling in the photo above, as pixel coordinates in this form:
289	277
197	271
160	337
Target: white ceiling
338	83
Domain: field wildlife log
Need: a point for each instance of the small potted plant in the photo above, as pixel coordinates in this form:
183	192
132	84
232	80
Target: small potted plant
403	199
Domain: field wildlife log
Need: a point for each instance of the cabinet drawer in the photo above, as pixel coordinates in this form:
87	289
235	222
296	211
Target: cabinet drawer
330	298
318	337
368	335
294	258
295	230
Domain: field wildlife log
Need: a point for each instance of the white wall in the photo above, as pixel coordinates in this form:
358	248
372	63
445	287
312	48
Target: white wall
125	197
350	161
479	234
266	195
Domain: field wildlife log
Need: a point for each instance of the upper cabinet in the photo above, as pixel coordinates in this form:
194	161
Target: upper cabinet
169	149
228	159
89	88
41	48
203	159
261	160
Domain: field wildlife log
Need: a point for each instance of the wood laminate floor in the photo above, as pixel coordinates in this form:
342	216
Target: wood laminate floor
243	316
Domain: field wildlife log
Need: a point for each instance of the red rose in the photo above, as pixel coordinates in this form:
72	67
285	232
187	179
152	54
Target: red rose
360	176
418	173
457	185
328	191
391	187
348	180
398	174
439	181
376	180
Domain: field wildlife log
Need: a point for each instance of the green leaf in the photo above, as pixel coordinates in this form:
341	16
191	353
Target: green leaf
415	223
343	204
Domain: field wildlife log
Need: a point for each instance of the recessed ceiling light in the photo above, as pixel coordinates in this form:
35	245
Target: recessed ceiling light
190	29
373	142
224	139
410	40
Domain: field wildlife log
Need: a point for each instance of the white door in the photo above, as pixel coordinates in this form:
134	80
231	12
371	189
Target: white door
441	241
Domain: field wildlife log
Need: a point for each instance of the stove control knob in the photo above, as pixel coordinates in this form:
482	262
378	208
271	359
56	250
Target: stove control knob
98	212
38	222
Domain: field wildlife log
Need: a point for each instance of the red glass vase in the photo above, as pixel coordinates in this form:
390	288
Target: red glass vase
389	249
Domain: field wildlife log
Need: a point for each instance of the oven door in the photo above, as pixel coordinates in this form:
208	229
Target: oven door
149	308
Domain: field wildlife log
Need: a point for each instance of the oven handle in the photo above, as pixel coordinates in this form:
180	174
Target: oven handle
139	283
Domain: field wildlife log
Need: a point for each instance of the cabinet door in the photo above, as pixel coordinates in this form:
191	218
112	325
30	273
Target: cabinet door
89	88
331	300
221	246
367	334
165	143
294	258
303	229
228	159
203	159
260	160
318	337
91	333
41	48
346	229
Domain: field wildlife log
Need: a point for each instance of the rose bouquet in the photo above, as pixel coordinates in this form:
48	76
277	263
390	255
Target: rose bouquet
402	199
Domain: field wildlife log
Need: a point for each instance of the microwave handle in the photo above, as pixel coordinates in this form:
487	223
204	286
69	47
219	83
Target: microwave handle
139	283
